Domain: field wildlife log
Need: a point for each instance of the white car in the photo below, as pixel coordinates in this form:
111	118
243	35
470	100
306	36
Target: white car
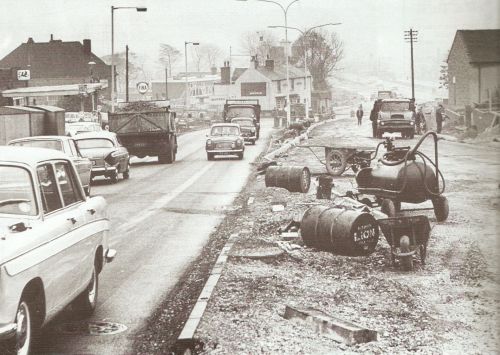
53	243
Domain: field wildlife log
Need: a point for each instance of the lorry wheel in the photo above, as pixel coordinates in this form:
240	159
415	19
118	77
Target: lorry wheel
335	162
162	159
170	156
380	133
412	134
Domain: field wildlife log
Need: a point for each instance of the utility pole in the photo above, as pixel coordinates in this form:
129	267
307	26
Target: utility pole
411	36
166	83
126	73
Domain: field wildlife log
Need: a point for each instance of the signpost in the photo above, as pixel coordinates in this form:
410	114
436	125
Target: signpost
142	87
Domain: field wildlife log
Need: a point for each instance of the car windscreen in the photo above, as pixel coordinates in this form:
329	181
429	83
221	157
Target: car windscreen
16	191
240	112
49	144
225	131
243	123
92	143
84	127
395	106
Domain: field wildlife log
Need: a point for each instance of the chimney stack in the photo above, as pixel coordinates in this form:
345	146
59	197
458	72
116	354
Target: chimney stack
87	46
270	64
51	37
225	74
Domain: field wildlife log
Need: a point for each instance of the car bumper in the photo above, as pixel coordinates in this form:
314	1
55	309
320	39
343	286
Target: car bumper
103	170
7	331
396	128
249	138
225	151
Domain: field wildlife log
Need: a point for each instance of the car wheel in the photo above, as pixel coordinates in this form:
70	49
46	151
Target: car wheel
126	173
412	134
85	304
210	156
114	177
22	343
253	141
380	133
240	156
335	162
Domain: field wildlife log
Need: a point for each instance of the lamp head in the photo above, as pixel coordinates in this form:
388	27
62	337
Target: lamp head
141	9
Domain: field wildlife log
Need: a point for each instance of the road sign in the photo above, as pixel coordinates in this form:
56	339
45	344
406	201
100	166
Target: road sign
142	87
23	74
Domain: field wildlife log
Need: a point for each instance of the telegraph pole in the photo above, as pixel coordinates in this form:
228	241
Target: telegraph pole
411	36
166	83
126	73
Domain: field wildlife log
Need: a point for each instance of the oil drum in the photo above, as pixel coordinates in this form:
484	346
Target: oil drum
292	178
343	231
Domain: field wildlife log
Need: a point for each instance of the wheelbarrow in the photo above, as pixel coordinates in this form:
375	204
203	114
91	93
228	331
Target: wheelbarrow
342	154
405	175
406	236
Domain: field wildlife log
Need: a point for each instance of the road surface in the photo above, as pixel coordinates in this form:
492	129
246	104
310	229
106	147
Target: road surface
160	219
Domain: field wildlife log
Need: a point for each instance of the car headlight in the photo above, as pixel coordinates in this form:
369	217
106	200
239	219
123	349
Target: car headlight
115	154
381	123
209	142
412	123
233	145
239	142
252	130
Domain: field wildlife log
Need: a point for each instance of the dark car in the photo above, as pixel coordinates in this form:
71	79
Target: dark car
109	158
248	128
225	139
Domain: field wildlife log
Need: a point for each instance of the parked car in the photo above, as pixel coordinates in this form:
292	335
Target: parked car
248	127
109	158
64	144
75	128
225	139
53	243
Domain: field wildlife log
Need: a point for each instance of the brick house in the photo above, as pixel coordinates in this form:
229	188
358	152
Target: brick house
57	63
474	67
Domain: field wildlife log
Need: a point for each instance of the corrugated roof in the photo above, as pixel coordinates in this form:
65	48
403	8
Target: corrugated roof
55	59
483	46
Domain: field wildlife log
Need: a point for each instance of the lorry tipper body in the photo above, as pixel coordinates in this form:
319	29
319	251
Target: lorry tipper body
147	133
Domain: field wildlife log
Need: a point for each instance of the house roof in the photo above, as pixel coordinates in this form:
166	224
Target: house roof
55	59
237	73
279	73
483	46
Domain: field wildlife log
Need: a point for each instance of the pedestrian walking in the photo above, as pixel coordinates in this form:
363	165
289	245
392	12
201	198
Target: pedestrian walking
439	118
359	114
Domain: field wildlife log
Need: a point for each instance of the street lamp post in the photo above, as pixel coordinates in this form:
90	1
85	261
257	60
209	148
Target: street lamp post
186	68
304	33
113	8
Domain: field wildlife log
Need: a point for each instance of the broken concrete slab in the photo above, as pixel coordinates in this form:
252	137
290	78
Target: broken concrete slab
336	328
290	236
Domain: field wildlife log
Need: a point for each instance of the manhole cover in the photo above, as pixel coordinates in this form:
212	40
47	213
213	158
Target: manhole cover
91	328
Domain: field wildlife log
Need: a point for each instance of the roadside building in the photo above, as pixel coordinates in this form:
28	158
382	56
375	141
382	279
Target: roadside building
59	69
474	67
266	83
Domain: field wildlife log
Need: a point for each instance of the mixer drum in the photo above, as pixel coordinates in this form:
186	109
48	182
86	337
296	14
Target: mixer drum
420	179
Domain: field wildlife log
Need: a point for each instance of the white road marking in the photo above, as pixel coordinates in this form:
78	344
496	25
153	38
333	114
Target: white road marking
161	202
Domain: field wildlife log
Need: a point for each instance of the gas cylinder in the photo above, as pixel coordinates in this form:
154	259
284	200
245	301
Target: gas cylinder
412	181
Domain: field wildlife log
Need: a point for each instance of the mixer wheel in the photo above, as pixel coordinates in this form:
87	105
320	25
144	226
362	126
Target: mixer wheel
441	208
388	207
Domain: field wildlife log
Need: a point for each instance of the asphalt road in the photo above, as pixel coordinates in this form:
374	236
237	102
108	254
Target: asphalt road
160	220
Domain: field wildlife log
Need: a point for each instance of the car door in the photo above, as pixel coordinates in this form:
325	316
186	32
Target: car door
83	165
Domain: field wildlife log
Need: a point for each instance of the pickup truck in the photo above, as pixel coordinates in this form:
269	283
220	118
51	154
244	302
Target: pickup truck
396	115
147	133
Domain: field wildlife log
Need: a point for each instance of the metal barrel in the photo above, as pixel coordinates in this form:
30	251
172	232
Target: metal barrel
292	178
343	231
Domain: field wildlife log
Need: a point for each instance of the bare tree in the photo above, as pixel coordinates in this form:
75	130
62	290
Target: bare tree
168	56
443	76
211	53
262	44
197	55
324	50
120	63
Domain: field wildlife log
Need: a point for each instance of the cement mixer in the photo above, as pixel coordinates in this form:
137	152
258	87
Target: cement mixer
407	175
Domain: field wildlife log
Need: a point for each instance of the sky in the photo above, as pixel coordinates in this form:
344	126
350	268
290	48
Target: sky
372	30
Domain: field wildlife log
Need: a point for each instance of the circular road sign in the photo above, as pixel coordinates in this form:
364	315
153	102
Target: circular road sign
142	87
